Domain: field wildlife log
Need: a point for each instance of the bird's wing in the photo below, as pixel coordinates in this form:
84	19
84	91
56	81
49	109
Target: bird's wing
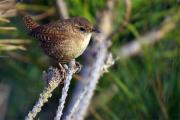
49	32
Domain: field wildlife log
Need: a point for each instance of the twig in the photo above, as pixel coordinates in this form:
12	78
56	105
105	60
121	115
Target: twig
8	28
158	90
62	9
135	46
9	47
63	97
4	20
14	41
43	15
53	77
69	72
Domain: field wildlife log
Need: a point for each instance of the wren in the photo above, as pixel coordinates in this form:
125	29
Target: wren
64	39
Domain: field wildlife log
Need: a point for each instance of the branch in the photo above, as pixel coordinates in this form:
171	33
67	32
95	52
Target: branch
52	77
43	15
4	20
69	72
8	28
80	97
136	46
14	41
9	47
62	9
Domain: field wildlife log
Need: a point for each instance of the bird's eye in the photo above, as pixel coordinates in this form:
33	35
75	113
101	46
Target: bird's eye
82	29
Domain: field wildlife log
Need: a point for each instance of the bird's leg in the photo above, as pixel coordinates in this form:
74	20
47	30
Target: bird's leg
62	70
75	66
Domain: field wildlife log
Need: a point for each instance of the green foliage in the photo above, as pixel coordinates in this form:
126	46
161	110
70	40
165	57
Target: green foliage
147	85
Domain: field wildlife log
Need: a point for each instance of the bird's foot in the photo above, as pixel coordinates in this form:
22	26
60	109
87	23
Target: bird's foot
75	66
62	69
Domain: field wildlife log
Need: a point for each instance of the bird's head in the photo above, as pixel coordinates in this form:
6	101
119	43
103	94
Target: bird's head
82	27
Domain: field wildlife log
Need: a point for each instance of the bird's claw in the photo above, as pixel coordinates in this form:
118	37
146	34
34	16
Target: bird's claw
62	70
78	66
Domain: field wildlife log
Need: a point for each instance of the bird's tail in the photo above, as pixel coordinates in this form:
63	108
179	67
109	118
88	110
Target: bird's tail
30	23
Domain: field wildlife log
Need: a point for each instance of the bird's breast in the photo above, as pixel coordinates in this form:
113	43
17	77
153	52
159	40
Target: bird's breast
77	45
83	43
68	48
86	40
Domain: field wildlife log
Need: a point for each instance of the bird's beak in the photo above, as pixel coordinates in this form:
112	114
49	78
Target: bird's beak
96	30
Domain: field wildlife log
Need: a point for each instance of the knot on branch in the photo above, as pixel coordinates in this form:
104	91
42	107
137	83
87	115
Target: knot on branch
54	74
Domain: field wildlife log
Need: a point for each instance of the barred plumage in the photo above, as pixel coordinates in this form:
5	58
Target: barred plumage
30	23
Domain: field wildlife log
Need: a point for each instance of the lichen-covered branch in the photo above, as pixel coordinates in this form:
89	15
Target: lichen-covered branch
69	73
52	77
76	105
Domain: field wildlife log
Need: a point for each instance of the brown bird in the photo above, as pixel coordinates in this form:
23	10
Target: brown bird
62	40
